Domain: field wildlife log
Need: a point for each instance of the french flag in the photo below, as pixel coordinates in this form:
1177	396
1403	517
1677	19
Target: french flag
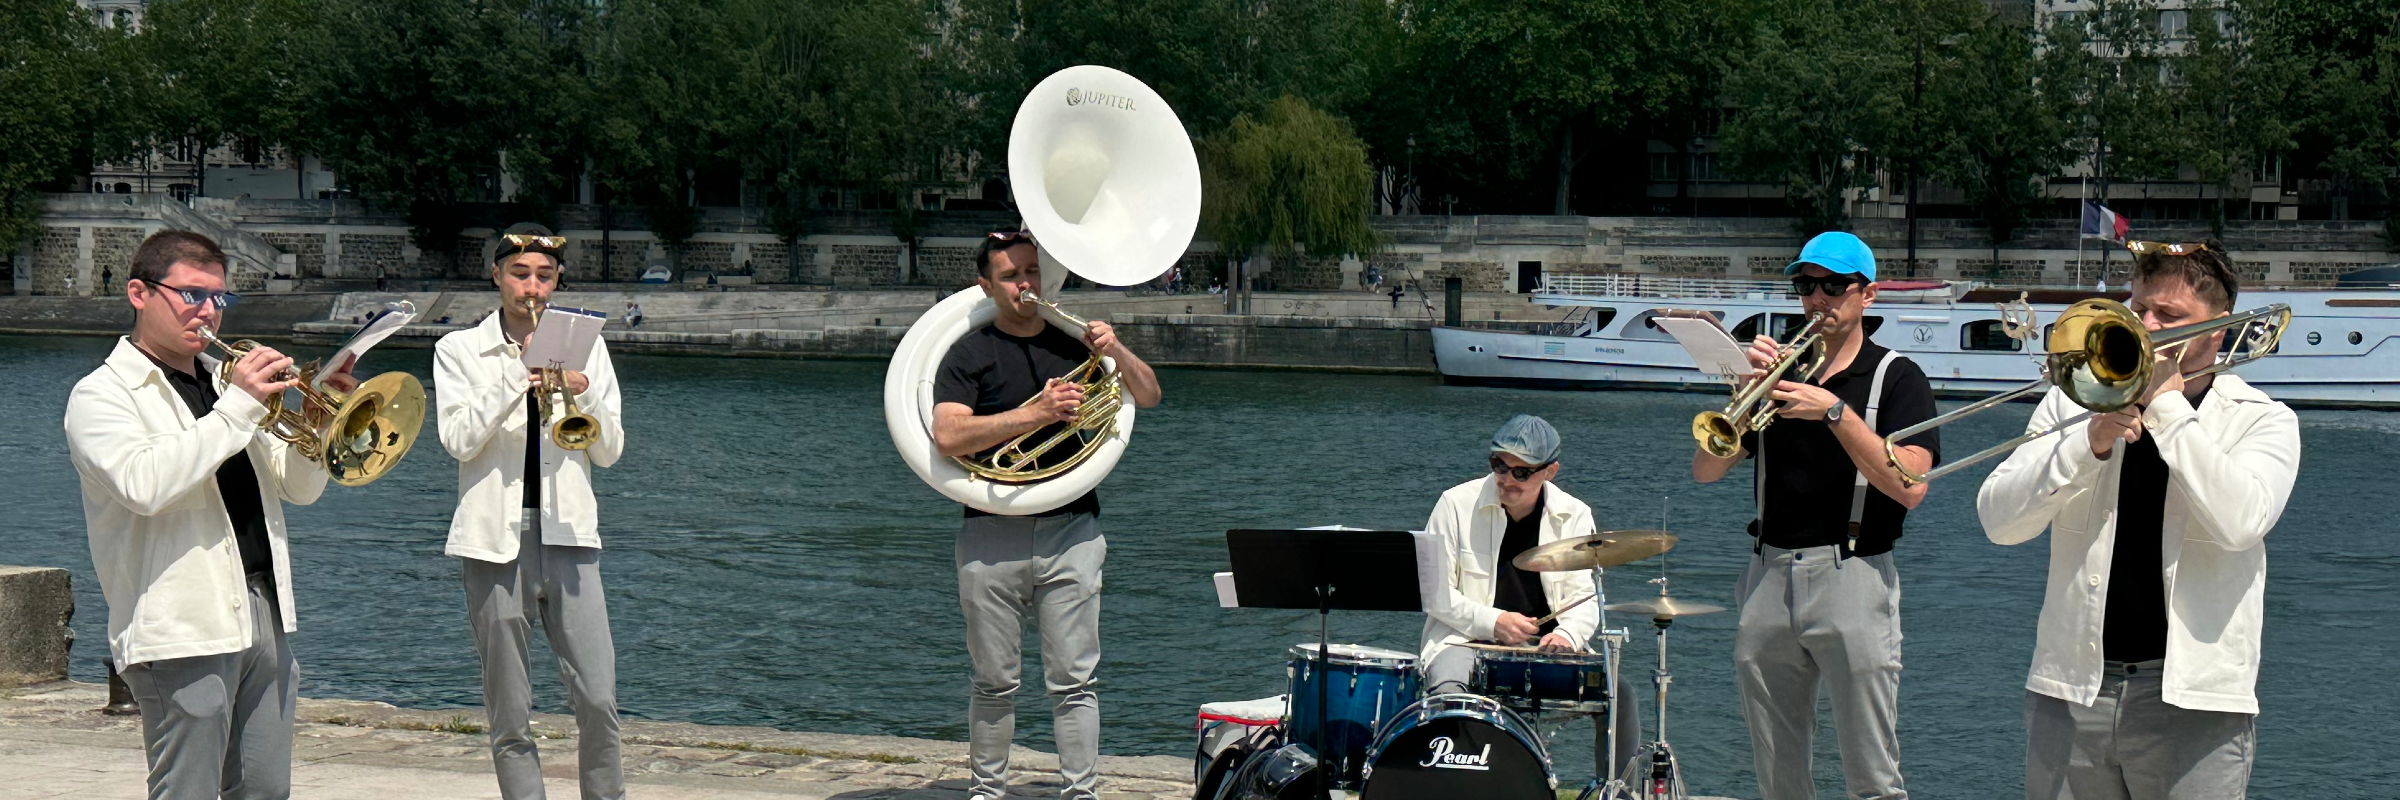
2101	223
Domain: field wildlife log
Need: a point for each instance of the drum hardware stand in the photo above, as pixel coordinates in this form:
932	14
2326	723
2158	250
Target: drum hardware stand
1324	685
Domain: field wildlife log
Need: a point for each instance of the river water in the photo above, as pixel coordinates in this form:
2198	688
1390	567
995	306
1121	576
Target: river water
771	561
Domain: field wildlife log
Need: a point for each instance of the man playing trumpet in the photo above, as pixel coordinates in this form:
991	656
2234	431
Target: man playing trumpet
183	502
2146	657
1820	604
1048	563
527	532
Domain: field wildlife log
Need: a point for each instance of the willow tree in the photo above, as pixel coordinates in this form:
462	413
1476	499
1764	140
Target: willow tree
1291	181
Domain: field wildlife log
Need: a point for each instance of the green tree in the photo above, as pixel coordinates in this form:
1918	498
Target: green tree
1292	180
2110	63
2003	134
2229	106
229	71
2346	58
72	93
1821	92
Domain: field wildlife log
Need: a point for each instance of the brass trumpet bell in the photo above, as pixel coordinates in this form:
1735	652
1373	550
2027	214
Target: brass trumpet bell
358	436
574	430
1719	433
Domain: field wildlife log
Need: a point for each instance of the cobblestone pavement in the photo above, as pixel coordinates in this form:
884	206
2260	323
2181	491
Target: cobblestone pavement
55	743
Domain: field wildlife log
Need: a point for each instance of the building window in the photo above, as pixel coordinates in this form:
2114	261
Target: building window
1988	335
2172	23
1704	167
1662	166
124	188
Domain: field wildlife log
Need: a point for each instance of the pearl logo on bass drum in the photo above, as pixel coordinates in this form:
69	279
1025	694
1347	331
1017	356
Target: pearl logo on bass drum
1439	756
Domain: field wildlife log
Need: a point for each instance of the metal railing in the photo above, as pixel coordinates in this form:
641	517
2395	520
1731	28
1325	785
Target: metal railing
1641	285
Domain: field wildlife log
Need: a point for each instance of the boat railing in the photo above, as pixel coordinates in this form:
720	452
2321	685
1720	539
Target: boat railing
1642	285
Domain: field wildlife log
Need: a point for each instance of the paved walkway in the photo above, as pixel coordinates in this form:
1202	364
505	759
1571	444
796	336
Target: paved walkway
54	743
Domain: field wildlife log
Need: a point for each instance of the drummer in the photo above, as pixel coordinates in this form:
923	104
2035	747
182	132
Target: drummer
1484	523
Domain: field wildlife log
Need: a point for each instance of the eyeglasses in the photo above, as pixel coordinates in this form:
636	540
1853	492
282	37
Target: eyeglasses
1521	474
522	241
194	297
2141	248
1831	285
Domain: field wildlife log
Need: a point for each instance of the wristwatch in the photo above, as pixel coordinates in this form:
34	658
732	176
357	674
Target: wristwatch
1833	414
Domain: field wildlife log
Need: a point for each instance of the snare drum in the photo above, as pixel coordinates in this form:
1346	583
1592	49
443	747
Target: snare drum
1363	687
1452	746
1528	679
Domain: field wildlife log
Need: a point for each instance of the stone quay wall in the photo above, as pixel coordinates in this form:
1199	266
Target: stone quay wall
344	243
35	605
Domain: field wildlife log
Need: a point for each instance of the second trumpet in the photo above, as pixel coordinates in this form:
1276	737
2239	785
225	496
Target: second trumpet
1720	432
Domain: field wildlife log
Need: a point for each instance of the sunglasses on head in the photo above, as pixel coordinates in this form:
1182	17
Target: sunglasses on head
1831	285
2141	248
1012	236
194	297
526	241
1500	467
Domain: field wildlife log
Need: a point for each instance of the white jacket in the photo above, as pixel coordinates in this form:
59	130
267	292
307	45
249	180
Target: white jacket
2230	467
479	388
1471	522
162	542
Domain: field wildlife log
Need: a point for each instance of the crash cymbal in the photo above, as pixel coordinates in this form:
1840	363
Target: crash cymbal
1603	549
1667	607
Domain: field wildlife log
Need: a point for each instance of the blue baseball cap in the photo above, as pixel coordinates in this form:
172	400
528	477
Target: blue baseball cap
1836	251
1529	438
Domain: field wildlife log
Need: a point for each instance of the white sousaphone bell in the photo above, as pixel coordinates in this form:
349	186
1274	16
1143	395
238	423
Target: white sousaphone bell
1105	178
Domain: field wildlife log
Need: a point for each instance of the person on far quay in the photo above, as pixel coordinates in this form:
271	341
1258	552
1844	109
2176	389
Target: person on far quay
1047	565
527	531
183	496
1819	602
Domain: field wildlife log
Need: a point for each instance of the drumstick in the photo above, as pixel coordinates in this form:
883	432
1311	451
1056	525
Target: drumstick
1562	609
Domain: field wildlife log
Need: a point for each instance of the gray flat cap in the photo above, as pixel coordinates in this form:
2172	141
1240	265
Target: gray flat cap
1527	437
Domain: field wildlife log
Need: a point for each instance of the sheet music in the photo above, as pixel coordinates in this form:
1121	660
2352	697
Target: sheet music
1711	347
386	322
564	338
1433	565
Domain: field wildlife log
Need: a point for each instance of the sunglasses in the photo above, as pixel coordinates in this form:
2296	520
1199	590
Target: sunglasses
1831	285
523	241
2141	248
1520	474
1012	236
194	297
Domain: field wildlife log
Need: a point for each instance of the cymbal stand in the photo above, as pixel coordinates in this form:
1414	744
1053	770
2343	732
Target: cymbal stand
1665	778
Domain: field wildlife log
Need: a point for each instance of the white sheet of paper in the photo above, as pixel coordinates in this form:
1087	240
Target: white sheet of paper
1225	596
1433	565
390	320
564	338
1711	347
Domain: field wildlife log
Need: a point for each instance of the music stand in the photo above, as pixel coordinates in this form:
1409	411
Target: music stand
1324	570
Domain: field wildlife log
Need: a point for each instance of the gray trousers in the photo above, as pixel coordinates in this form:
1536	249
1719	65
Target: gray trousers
1451	669
221	725
1050	565
2129	743
561	585
1809	617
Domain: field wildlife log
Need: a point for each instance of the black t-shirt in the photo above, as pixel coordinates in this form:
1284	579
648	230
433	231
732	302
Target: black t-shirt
237	482
991	371
533	450
2134	625
1519	590
1809	476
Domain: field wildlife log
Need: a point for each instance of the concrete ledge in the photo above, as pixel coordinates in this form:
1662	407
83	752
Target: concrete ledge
35	605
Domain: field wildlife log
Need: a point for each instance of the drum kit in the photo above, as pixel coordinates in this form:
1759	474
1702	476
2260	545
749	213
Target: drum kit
1384	740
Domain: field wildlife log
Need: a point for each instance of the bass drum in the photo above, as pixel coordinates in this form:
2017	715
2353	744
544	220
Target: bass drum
1456	746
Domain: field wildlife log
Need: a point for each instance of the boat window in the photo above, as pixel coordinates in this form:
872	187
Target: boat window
1593	319
1988	335
1748	330
1644	326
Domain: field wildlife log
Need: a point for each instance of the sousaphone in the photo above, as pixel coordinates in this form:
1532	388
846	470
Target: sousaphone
1106	179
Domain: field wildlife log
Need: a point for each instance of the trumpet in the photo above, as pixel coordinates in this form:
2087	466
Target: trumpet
574	429
358	436
1095	420
2101	357
1720	432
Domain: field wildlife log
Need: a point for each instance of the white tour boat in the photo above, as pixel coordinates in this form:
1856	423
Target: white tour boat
2341	351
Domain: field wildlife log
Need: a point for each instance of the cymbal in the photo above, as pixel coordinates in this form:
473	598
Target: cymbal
1667	607
1603	549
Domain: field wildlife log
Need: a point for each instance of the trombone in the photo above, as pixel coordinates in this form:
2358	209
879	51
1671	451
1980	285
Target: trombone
1720	432
359	435
2102	357
574	429
1095	420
